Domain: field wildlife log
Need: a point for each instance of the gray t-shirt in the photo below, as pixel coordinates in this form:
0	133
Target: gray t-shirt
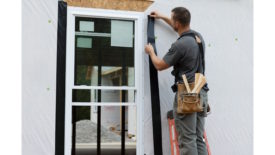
184	52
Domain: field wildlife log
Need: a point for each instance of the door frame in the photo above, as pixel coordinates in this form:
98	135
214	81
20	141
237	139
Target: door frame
138	17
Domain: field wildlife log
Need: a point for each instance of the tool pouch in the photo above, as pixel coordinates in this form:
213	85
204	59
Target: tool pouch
188	102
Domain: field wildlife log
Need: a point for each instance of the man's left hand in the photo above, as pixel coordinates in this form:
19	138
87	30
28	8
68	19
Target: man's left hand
149	48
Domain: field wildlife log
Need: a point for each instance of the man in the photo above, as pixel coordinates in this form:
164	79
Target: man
183	55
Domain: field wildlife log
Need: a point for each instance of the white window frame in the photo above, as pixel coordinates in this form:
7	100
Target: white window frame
138	17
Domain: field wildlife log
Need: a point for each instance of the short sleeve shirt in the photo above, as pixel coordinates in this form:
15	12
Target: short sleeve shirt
184	52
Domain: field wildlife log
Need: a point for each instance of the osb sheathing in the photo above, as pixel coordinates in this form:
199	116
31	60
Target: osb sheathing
130	5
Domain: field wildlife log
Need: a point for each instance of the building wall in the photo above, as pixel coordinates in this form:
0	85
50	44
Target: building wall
39	46
227	29
226	26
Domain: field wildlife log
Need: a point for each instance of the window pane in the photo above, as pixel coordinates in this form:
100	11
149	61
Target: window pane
81	95
92	24
86	26
85	126
84	42
87	95
131	130
84	130
103	57
121	33
111	119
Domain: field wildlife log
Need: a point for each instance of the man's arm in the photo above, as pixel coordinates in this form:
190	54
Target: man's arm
158	15
158	63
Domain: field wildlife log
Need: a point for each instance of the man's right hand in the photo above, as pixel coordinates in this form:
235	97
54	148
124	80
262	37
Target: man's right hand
156	14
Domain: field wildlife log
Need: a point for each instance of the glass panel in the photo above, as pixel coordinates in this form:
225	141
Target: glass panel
101	25
131	130
97	63
84	130
87	95
86	26
111	120
85	126
121	33
84	42
81	95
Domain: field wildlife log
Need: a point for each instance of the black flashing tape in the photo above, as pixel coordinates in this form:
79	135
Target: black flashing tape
60	78
155	101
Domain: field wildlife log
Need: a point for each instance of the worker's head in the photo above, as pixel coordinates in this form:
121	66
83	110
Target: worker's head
180	17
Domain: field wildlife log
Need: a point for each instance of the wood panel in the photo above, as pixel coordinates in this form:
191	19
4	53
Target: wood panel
130	5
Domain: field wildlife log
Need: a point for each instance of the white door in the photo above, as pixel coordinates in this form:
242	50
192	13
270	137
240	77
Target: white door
104	82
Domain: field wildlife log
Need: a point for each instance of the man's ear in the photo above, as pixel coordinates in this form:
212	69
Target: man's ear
177	24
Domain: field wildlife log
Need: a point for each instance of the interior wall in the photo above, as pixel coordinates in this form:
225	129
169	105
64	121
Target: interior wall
227	29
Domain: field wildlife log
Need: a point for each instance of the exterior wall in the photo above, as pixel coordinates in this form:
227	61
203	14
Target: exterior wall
227	29
39	45
226	26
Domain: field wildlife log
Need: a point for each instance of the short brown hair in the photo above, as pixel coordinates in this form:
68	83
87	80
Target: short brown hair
182	15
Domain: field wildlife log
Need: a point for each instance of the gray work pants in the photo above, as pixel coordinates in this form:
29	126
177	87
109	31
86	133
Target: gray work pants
190	128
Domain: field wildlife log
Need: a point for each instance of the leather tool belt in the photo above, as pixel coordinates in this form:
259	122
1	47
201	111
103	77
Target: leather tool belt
188	102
